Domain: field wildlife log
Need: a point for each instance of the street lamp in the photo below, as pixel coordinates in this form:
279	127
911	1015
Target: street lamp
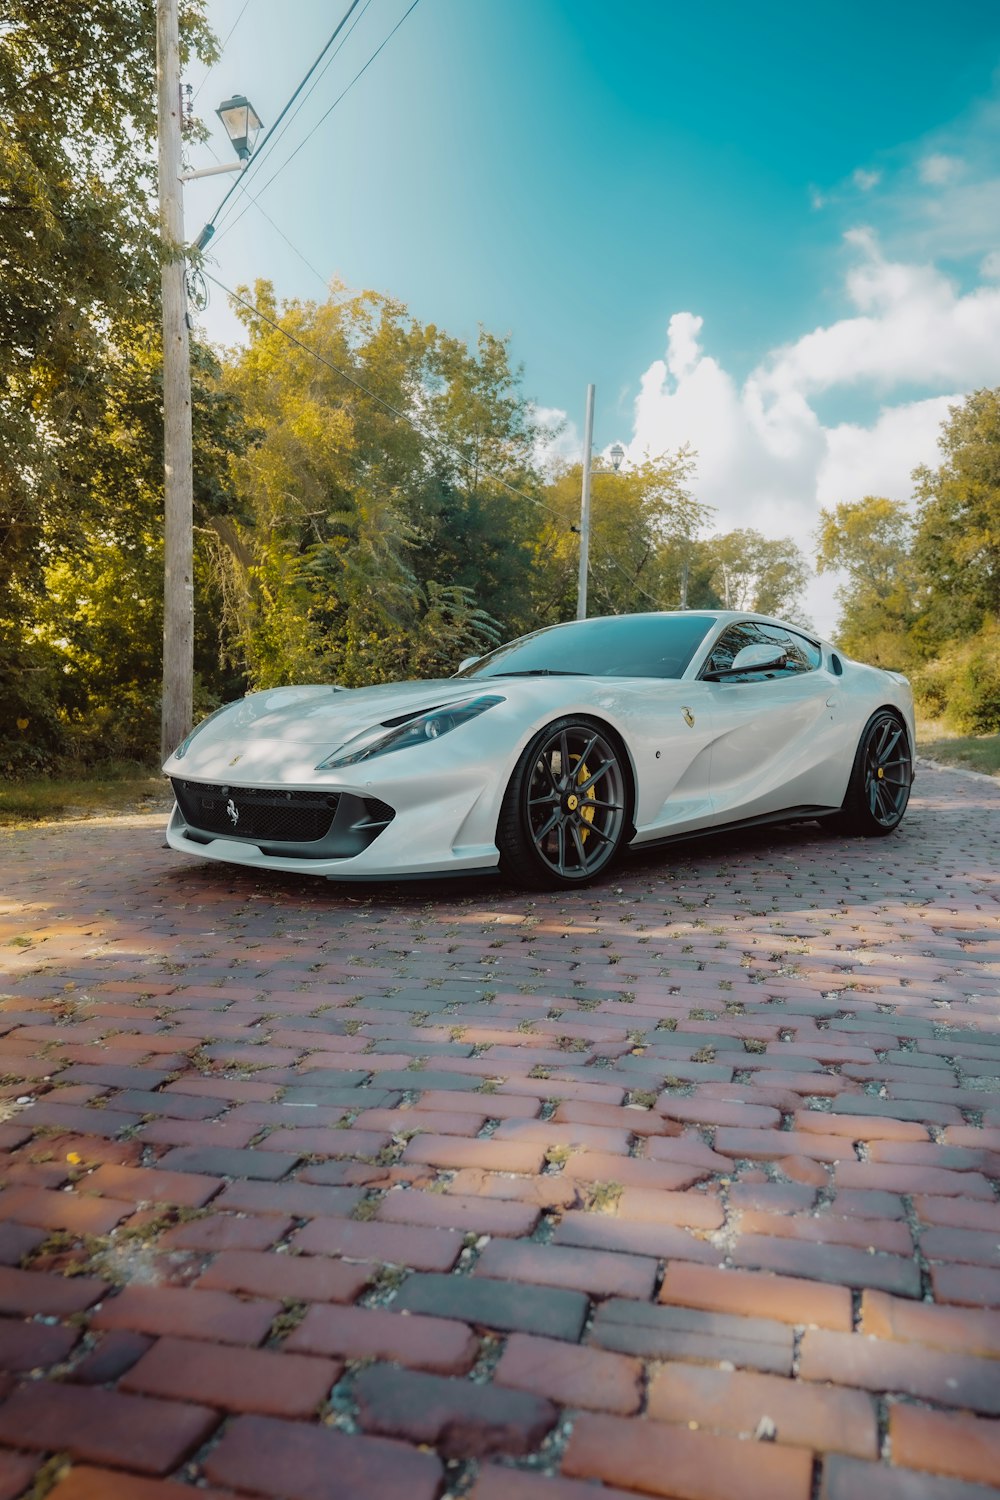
616	454
242	124
243	127
584	564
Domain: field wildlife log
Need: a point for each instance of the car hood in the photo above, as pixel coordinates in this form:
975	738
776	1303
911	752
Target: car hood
321	716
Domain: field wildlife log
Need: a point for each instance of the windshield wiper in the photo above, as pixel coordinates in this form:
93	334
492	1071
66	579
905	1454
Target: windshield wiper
539	672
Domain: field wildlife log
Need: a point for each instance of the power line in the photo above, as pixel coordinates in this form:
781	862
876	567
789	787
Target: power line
268	134
222	48
301	105
328	113
255	201
294	248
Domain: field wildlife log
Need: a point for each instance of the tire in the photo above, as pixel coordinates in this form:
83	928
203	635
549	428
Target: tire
881	777
567	811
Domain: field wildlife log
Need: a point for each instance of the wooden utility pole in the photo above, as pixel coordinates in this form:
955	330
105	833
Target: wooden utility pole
178	546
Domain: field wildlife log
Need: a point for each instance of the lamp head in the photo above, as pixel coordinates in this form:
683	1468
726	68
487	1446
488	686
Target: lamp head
242	124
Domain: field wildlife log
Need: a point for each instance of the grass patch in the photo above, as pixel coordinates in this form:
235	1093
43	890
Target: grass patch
970	752
84	793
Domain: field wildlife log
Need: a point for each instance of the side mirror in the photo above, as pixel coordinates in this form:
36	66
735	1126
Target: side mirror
468	661
763	657
760	658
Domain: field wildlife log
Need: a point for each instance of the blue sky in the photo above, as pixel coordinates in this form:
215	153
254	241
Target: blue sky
772	231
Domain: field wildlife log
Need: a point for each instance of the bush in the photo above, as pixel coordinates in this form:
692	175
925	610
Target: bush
31	733
962	685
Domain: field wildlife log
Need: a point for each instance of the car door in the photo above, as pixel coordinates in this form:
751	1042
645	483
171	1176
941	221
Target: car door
669	731
771	729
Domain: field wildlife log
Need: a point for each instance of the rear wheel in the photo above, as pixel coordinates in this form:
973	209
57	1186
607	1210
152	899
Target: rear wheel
567	811
879	788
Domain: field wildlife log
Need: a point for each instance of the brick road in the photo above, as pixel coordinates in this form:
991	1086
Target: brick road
682	1186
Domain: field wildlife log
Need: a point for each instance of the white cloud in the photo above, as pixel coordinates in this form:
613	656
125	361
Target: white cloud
912	327
558	441
939	168
885	453
766	459
865	180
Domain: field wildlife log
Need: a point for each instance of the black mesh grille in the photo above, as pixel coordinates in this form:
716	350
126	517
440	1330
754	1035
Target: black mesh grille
255	813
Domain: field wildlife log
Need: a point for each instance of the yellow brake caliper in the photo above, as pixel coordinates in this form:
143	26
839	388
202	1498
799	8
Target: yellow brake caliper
586	813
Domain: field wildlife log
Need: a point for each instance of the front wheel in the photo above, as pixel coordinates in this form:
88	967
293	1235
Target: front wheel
567	811
879	788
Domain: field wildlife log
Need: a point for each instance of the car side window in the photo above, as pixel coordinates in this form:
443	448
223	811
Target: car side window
801	654
730	643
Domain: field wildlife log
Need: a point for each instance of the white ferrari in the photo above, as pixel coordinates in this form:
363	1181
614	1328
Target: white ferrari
550	756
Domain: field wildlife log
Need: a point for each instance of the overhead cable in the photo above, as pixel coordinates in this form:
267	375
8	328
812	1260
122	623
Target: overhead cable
342	95
277	137
222	48
203	238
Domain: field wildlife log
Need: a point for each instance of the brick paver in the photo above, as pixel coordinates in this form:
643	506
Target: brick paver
684	1185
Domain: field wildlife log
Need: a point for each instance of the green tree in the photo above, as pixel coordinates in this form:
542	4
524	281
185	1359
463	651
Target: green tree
79	257
477	516
643	529
389	500
101	615
956	554
957	543
751	572
870	540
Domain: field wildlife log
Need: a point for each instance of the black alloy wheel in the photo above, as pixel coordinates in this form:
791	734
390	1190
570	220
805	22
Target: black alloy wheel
879	788
567	810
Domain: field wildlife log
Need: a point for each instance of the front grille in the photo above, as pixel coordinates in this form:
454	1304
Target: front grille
255	813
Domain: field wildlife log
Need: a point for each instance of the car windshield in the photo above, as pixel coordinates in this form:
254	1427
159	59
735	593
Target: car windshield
619	646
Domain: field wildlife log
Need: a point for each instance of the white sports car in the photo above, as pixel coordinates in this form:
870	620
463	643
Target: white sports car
551	755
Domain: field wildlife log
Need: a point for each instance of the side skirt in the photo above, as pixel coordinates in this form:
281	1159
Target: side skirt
765	820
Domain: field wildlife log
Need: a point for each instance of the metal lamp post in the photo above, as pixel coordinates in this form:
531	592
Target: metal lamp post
616	455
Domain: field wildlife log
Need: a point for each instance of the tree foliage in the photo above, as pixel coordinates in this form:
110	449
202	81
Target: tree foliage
79	265
870	541
957	544
102	609
643	528
923	592
390	500
749	571
956	553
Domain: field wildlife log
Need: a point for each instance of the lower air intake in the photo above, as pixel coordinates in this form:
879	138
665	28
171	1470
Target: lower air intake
276	816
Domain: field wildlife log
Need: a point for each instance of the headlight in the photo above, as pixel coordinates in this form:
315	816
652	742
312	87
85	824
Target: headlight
429	726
